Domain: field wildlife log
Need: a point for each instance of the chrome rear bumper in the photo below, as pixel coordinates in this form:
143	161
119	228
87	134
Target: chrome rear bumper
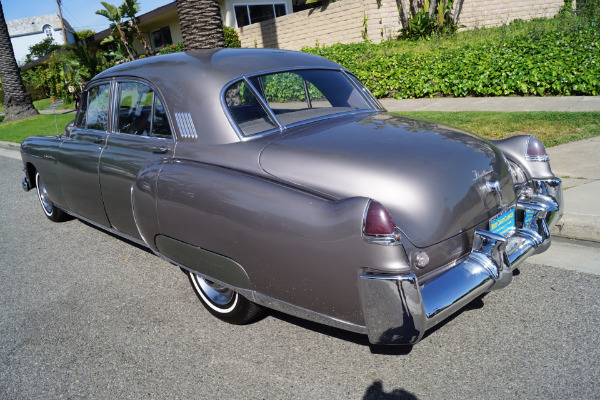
398	309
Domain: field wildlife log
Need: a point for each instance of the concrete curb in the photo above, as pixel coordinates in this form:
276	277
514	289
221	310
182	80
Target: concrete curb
10	146
578	226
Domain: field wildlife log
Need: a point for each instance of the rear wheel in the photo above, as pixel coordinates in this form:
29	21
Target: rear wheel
224	303
50	209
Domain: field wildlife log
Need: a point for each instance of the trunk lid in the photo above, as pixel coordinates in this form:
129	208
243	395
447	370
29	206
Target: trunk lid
434	180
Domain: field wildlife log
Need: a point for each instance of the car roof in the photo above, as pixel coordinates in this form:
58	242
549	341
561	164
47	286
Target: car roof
192	82
218	64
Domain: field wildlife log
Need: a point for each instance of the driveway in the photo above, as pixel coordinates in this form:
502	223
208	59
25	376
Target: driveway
84	314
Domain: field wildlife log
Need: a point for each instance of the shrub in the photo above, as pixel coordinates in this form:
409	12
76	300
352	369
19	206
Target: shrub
543	57
231	37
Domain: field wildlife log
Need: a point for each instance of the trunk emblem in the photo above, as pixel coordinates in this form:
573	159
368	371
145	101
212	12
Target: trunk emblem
490	186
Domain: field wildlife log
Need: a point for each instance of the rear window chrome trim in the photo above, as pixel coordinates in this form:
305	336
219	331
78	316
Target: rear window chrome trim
247	80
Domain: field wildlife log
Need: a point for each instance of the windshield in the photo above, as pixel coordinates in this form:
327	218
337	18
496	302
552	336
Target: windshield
292	97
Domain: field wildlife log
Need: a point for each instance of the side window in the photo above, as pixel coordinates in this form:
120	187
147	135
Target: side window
96	116
141	111
245	109
135	109
160	124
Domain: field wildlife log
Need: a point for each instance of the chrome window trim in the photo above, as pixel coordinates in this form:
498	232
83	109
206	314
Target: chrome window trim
247	79
263	102
107	81
155	91
363	90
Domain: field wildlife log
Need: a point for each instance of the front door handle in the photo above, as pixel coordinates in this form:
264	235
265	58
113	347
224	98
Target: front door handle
98	139
160	149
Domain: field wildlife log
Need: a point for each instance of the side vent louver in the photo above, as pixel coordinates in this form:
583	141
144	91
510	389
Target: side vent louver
186	125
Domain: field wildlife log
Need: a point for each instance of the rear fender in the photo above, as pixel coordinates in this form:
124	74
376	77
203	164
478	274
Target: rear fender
515	148
295	246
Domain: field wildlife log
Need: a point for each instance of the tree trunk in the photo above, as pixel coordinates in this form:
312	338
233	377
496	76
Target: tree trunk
201	25
457	10
432	9
404	13
17	100
125	41
141	37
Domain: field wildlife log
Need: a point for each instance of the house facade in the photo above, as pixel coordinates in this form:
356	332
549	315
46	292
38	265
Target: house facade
26	32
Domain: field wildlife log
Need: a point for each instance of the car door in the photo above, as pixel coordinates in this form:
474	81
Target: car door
140	136
79	155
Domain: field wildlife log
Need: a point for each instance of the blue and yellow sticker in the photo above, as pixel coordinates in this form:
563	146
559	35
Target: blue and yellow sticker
504	222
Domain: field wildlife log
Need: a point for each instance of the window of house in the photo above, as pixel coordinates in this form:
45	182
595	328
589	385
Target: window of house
47	29
253	13
162	37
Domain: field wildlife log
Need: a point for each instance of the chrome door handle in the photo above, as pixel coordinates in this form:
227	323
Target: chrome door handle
98	139
160	149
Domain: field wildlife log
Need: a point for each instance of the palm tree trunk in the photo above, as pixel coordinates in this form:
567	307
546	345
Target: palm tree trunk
404	14
457	10
201	25
141	38
125	41
17	101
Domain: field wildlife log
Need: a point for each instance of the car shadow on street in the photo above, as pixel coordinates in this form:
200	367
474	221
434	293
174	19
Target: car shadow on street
341	334
376	392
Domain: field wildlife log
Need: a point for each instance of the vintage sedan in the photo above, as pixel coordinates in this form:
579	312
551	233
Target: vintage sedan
276	180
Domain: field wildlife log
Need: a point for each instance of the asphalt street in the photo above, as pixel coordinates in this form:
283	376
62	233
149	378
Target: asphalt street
84	314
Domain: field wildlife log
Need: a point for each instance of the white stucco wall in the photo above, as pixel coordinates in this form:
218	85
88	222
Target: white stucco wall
228	13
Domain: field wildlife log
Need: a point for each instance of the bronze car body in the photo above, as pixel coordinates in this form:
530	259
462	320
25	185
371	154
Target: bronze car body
316	203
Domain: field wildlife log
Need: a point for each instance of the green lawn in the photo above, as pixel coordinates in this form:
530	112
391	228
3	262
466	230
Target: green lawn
42	125
553	128
43	104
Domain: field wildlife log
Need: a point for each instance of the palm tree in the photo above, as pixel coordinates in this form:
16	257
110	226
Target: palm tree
113	14
17	100
201	25
128	9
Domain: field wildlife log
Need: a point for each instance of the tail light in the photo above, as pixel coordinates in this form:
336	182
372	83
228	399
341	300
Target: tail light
536	150
378	225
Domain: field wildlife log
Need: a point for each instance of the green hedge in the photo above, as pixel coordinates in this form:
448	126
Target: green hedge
547	63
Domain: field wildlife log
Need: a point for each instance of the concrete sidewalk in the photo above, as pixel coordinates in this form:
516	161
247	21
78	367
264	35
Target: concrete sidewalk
576	163
561	103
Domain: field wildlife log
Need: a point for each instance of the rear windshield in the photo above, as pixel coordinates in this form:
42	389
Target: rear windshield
292	97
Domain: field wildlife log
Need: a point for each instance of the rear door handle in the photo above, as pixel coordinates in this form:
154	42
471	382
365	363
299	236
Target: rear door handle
98	139
160	149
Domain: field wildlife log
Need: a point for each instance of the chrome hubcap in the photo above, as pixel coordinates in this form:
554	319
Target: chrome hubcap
216	293
44	198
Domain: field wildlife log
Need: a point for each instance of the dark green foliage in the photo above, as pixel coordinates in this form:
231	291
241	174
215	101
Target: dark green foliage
172	48
231	37
422	26
41	49
561	60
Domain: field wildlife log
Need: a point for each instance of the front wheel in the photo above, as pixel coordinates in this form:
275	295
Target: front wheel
224	303
50	209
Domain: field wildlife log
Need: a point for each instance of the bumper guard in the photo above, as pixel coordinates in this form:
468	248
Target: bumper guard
398	309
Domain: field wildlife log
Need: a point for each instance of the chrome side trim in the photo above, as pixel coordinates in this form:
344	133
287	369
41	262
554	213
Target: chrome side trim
107	229
303	313
279	305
